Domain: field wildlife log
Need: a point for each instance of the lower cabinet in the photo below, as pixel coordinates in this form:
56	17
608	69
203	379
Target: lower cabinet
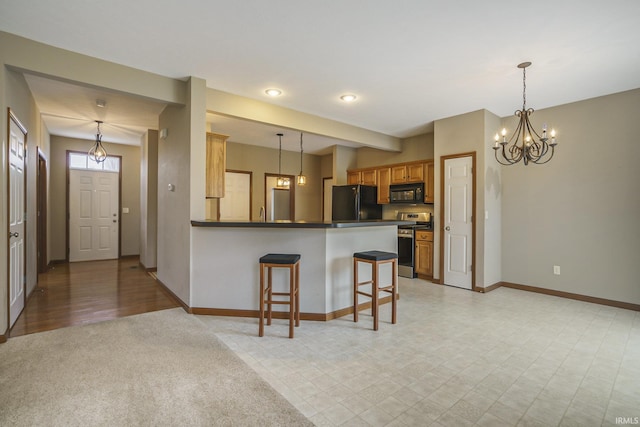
424	253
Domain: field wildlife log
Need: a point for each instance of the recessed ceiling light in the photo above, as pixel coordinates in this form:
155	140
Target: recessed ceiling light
273	92
348	98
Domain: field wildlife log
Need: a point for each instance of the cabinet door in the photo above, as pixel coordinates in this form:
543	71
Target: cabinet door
398	174
216	157
384	179
424	257
428	183
369	177
353	178
415	172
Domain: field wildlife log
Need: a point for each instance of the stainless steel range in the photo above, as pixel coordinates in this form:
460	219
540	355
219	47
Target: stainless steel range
406	240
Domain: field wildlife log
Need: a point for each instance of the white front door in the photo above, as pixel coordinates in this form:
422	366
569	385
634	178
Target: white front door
17	153
457	223
93	215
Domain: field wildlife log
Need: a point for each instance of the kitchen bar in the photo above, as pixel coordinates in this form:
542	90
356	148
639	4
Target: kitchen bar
225	273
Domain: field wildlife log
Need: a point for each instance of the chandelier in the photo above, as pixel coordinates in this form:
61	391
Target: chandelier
282	181
97	153
525	144
301	179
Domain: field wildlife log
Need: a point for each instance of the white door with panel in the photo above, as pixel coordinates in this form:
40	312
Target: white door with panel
236	203
93	215
457	224
17	220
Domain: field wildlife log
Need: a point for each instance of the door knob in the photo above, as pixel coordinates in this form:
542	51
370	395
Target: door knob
16	234
447	228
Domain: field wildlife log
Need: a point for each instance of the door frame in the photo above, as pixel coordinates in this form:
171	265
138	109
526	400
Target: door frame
68	213
41	208
12	117
292	192
471	154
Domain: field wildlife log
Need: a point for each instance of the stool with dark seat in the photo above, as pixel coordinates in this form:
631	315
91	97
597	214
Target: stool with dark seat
271	261
375	259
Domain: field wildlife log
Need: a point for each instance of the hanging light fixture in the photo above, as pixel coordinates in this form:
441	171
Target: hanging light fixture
97	153
282	181
301	179
523	146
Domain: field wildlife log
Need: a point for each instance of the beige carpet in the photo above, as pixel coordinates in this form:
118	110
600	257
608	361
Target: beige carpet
160	368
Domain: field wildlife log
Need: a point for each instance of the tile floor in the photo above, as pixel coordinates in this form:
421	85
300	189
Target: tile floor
455	358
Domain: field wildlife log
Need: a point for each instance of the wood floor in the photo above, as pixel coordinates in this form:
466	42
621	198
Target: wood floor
89	292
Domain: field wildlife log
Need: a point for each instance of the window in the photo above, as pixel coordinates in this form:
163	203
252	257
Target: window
82	161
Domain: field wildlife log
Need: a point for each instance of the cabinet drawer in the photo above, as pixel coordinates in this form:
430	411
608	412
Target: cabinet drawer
424	235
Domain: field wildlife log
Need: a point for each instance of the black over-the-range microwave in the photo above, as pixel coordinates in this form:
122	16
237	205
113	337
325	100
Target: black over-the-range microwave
407	193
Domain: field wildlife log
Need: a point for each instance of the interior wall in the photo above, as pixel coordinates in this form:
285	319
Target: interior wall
173	201
149	199
580	210
419	147
130	193
454	135
344	158
492	219
261	160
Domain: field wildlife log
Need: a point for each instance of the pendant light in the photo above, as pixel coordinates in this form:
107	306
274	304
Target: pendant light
282	181
97	153
301	179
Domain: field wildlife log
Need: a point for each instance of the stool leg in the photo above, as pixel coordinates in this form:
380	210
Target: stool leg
355	290
298	294
374	295
292	302
394	289
269	294
261	327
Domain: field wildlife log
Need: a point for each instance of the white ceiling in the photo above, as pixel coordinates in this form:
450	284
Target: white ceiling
409	62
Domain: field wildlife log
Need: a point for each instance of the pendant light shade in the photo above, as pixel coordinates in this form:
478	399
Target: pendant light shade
301	179
97	153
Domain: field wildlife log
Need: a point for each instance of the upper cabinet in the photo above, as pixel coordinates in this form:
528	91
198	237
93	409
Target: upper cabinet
400	173
362	176
411	172
216	158
384	179
428	182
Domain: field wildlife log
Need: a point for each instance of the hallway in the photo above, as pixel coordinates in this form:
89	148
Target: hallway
88	292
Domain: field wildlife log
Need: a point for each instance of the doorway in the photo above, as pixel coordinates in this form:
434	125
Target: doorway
93	208
279	202
457	207
41	212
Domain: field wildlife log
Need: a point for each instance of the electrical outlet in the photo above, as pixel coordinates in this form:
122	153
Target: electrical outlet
556	270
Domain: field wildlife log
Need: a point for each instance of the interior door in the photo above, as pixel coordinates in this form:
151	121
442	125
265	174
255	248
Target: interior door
236	203
458	225
17	223
93	215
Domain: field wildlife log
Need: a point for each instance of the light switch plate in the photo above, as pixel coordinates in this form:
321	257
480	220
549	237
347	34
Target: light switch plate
125	210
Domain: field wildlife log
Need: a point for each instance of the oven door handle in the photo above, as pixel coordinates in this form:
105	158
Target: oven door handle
405	236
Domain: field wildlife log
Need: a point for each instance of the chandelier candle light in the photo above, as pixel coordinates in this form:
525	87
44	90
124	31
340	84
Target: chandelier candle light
282	181
97	153
301	179
522	146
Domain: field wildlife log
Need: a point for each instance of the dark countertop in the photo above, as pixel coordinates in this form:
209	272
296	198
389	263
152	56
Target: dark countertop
299	224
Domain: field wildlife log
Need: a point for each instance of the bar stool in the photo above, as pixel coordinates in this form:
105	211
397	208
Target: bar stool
271	261
375	259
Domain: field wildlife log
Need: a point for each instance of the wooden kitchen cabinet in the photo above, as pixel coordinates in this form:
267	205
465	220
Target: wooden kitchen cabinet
216	158
384	179
411	172
362	176
424	254
428	182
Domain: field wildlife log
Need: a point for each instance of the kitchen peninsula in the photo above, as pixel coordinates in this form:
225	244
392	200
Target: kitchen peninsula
225	273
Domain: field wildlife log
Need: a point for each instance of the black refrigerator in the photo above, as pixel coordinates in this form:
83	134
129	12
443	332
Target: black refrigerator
355	203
